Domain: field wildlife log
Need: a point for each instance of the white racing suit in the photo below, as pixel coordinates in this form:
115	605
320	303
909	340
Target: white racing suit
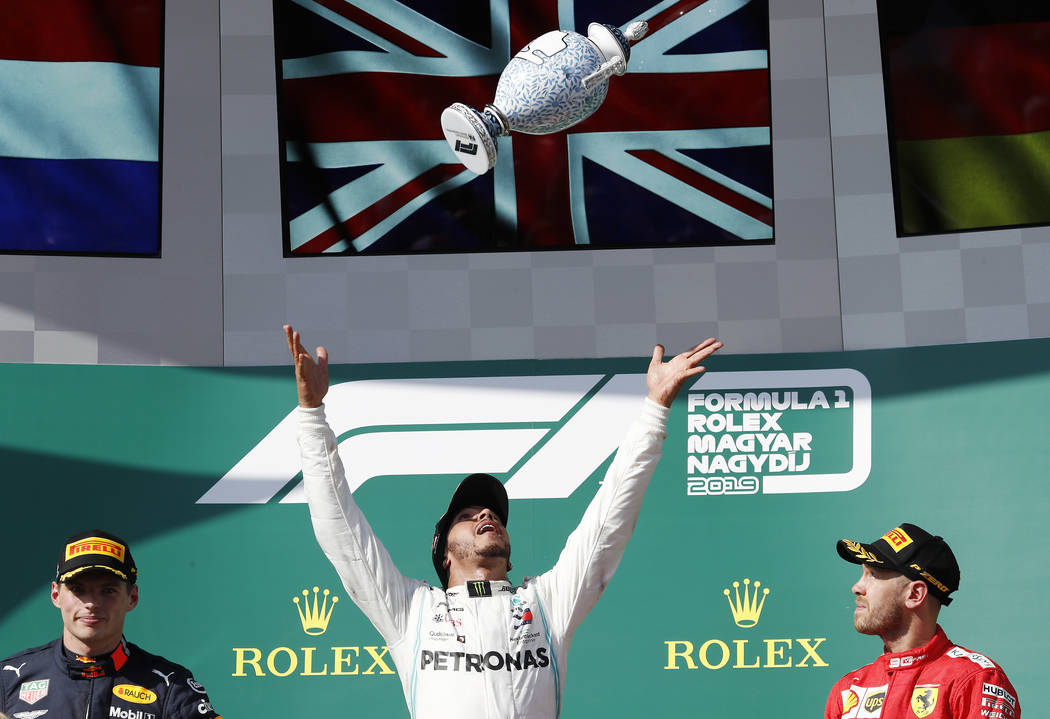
484	650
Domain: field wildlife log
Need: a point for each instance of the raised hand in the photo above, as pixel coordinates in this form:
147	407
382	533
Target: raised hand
664	379
311	376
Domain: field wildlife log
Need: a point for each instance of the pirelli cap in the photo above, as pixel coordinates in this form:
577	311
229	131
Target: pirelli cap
95	549
913	552
477	490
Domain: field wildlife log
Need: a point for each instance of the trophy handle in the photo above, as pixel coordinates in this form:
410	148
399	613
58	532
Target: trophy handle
615	46
616	66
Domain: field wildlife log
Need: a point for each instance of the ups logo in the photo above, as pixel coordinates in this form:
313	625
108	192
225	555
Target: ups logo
874	701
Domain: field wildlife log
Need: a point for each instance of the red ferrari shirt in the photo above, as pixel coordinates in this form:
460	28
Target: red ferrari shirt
937	681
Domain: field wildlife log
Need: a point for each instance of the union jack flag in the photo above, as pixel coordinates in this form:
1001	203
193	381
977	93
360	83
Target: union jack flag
678	154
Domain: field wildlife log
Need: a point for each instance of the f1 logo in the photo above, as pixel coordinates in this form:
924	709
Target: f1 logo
546	433
467	148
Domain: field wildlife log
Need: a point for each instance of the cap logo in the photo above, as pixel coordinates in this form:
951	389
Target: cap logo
897	538
95	545
860	552
929	578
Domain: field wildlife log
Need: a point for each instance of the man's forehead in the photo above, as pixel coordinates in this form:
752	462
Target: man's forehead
100	577
474	509
881	572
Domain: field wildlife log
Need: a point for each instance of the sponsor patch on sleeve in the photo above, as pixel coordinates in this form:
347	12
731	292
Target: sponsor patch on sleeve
994	690
996	709
978	659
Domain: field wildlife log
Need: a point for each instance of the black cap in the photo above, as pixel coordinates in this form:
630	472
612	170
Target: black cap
913	552
477	490
96	549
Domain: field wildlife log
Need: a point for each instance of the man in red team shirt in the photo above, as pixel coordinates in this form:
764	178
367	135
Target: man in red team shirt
906	576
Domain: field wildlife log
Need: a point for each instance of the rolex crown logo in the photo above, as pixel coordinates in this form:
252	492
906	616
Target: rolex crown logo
315	620
746	611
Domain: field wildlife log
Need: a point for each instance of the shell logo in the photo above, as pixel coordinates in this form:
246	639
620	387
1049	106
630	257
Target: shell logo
850	701
132	693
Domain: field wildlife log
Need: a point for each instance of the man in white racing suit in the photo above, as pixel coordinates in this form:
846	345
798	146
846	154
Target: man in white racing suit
477	646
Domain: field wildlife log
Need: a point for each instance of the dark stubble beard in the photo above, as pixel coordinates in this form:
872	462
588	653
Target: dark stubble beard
885	621
464	550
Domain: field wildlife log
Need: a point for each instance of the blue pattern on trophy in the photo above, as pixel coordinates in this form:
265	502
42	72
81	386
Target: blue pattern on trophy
541	89
554	82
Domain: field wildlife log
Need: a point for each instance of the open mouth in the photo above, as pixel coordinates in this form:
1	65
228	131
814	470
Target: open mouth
486	527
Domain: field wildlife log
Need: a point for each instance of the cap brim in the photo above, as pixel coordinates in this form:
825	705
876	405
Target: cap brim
860	553
480	490
91	567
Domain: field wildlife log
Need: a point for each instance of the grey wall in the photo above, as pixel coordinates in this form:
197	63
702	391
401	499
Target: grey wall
141	310
837	277
942	289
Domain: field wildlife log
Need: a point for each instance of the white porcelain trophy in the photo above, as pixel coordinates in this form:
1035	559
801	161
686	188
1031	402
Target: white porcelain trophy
555	81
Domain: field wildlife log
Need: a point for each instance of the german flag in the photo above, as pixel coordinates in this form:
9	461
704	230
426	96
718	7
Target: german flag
968	105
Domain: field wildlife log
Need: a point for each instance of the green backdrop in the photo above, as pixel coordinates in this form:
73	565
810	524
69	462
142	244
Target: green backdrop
952	438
